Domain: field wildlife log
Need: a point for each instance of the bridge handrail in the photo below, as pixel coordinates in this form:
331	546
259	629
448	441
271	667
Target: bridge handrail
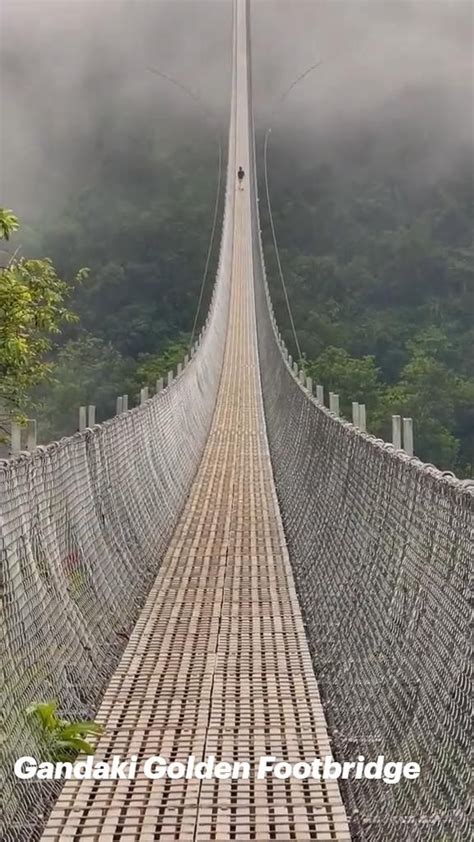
381	546
84	524
465	485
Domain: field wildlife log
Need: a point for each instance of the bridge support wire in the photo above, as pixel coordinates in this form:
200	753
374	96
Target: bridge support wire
199	498
382	549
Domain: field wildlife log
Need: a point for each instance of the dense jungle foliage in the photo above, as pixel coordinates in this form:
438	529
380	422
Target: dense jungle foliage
142	228
378	262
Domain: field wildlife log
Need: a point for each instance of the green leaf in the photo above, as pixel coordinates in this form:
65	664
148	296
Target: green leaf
75	744
85	727
8	223
46	712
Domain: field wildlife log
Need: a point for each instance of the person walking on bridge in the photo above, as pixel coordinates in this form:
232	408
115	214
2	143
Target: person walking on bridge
240	176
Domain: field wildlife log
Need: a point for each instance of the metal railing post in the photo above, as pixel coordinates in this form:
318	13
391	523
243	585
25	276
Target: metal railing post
320	394
82	418
334	403
31	434
362	418
91	415
355	414
397	431
119	405
159	385
309	385
408	436
170	377
15	438
124	403
143	394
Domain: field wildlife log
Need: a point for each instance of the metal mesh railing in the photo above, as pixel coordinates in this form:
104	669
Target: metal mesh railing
381	546
84	524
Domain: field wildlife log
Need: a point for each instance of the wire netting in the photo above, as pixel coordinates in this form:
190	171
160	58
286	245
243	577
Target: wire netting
382	549
84	524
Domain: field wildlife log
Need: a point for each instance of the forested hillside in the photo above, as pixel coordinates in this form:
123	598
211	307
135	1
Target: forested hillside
114	169
110	162
378	267
378	261
142	228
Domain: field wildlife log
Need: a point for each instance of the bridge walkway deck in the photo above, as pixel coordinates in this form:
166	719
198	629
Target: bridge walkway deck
218	662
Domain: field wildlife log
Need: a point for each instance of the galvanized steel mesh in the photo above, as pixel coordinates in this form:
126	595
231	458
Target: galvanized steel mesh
382	548
84	524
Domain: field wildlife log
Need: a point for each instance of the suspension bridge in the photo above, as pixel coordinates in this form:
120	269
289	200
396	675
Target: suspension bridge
230	569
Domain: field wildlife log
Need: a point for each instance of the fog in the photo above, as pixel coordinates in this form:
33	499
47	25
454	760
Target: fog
395	74
75	82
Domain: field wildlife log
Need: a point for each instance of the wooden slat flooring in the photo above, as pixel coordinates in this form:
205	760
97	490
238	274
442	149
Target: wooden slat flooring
218	662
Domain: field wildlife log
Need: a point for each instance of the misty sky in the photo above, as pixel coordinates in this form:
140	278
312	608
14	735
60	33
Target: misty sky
74	73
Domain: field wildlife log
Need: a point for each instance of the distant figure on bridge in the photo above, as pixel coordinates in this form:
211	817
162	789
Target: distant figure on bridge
240	176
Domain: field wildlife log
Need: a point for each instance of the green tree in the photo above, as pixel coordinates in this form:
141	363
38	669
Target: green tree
438	400
379	264
353	379
32	310
87	370
8	223
151	367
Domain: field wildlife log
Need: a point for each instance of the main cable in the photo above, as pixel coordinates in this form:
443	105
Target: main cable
269	204
296	82
200	102
211	246
275	245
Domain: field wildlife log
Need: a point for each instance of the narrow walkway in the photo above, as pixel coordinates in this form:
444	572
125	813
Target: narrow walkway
218	662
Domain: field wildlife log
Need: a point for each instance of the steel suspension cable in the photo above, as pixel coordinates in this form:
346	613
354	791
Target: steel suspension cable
269	204
200	102
275	246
